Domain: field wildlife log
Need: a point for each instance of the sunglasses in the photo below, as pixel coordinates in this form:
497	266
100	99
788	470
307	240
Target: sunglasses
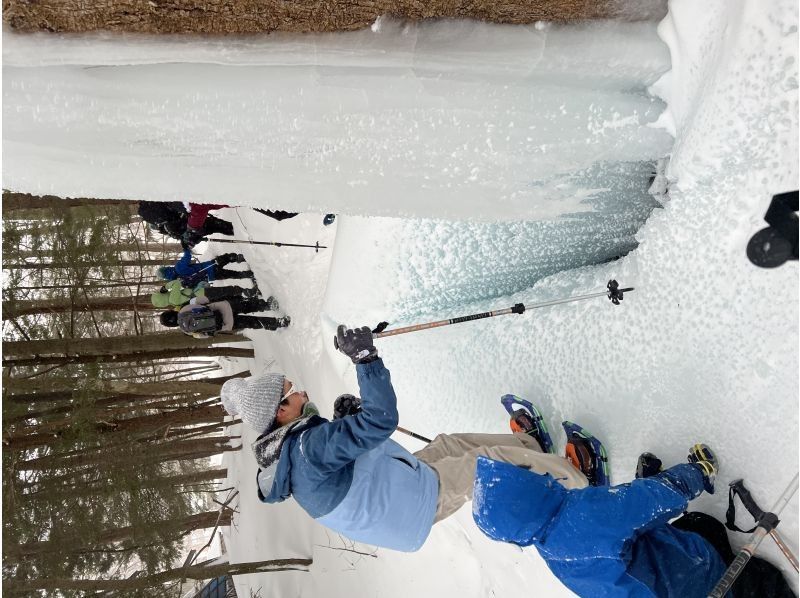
285	398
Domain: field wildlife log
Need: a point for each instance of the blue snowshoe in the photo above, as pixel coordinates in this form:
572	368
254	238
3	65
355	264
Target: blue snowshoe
527	418
586	453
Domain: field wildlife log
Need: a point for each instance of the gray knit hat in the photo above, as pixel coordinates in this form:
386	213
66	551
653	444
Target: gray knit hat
254	399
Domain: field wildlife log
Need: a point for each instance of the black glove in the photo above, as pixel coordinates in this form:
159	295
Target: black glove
346	405
191	236
356	344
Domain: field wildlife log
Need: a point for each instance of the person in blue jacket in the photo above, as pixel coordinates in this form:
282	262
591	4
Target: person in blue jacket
349	475
605	541
191	274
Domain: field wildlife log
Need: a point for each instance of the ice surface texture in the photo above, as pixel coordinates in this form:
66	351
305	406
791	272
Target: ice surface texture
457	119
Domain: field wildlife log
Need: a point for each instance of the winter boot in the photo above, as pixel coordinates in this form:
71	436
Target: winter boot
586	453
217	225
526	418
225	259
648	465
284	321
272	304
702	457
252	293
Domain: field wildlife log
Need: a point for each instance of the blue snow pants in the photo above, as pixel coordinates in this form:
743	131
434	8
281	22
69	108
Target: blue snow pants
602	541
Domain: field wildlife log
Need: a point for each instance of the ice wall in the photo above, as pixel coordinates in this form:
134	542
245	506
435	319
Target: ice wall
434	268
438	120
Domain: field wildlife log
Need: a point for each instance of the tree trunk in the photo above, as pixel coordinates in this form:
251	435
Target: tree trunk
76	544
153	453
111	262
188	391
46	433
258	16
14	202
223	379
140	356
111	345
118	248
102	286
68	486
27	587
15	309
14	385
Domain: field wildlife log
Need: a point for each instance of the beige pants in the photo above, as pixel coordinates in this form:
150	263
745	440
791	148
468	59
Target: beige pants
453	457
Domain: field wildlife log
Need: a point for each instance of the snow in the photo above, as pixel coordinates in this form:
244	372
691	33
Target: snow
705	349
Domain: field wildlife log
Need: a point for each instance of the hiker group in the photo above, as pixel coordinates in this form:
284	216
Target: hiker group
190	297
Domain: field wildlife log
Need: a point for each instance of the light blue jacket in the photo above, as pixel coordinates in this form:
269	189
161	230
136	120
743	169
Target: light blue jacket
352	478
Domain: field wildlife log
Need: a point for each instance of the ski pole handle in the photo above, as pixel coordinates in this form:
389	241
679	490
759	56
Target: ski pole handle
747	500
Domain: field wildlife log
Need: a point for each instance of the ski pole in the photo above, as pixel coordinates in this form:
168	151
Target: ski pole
766	524
613	292
413	434
316	247
737	488
784	548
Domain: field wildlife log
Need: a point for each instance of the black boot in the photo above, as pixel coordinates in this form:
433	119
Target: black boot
217	225
648	465
272	303
268	323
252	293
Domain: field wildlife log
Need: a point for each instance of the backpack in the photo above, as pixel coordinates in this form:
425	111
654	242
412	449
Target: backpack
758	579
168	216
199	319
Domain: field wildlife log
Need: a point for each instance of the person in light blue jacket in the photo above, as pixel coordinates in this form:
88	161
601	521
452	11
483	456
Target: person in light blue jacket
349	475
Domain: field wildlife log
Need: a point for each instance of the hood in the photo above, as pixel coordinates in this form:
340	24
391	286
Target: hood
512	504
160	300
273	456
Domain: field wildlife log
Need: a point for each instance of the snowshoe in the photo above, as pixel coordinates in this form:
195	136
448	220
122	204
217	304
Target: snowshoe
586	453
648	465
527	418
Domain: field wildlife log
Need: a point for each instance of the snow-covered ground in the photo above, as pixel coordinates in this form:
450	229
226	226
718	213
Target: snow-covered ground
705	349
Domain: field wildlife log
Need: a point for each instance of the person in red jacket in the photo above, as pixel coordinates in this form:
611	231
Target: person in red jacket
198	212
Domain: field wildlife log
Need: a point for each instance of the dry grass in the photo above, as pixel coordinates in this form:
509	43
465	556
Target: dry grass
258	16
